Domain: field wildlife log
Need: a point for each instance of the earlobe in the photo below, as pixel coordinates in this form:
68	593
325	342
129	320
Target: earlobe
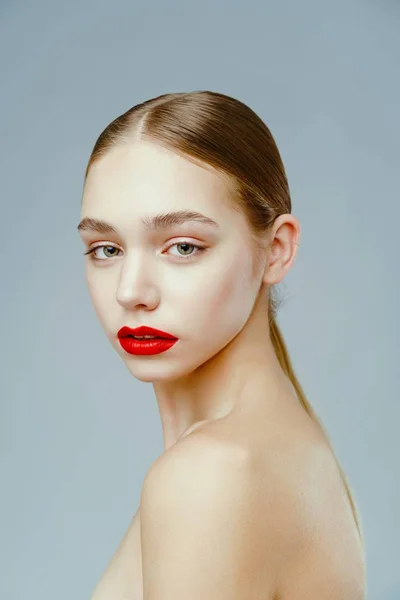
279	264
274	274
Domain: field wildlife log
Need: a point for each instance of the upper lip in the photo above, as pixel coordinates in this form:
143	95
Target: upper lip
144	330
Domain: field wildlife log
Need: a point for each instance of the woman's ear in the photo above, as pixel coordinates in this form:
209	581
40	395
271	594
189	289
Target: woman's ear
282	250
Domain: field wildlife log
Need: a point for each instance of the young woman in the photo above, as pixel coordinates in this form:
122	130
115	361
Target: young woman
186	219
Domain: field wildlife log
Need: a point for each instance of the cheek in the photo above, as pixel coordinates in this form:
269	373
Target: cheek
223	297
233	293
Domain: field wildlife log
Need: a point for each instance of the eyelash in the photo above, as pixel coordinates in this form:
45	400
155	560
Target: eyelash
188	257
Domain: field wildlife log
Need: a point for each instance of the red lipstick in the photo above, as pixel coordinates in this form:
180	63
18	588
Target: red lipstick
161	342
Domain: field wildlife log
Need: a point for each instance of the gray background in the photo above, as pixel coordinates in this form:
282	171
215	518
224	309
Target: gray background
78	433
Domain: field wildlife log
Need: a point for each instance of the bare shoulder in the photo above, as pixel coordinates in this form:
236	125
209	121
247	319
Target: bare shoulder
192	451
200	526
284	509
199	459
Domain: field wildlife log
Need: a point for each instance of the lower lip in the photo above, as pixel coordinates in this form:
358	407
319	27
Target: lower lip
147	347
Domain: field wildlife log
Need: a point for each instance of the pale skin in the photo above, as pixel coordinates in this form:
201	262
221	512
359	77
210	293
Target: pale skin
224	402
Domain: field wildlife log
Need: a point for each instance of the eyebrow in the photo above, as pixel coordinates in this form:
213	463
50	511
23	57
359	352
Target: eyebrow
156	223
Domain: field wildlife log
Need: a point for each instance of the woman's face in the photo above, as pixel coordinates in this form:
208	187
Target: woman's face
145	277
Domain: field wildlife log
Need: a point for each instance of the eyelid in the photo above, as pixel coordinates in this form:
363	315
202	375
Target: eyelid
184	240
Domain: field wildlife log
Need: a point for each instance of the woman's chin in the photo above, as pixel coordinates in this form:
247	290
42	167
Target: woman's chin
154	373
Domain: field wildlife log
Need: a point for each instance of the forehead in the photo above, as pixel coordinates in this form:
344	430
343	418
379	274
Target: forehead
151	178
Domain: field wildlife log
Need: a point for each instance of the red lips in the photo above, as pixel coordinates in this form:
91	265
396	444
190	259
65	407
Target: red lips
144	330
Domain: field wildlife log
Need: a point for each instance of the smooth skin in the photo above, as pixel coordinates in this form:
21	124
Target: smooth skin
246	493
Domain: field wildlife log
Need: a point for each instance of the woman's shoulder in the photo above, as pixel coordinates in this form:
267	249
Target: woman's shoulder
297	502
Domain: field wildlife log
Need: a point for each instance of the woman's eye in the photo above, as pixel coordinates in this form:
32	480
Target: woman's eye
93	250
186	246
185	251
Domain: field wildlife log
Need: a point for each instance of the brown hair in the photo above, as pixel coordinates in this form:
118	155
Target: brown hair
224	133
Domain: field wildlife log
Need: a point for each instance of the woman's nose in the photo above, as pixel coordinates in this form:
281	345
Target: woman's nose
137	286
